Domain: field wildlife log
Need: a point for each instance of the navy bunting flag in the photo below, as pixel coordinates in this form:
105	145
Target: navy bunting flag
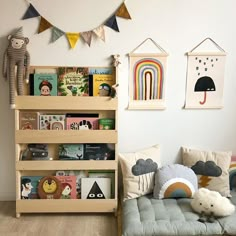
30	13
112	23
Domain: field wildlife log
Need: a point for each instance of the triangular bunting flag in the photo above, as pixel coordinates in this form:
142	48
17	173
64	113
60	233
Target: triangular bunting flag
30	13
44	25
112	23
123	12
99	31
87	37
72	38
56	34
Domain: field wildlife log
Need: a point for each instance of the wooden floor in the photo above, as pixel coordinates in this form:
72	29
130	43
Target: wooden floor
55	224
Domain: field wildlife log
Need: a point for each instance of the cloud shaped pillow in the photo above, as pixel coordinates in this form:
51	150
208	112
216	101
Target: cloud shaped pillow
210	202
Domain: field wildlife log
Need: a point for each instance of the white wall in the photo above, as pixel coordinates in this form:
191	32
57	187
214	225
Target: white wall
177	25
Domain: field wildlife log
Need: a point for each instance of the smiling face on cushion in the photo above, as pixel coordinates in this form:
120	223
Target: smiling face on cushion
211	202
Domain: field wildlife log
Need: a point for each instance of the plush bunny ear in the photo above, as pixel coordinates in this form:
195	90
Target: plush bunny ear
9	36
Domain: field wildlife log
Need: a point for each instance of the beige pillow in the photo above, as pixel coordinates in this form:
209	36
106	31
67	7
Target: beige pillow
210	167
138	169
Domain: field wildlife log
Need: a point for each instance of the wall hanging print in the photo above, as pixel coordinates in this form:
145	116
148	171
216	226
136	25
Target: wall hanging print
73	37
205	78
147	78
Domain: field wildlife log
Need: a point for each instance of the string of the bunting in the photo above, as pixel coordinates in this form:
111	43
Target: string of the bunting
72	38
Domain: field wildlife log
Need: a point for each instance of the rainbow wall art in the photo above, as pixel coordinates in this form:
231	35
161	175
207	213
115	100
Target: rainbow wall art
148	79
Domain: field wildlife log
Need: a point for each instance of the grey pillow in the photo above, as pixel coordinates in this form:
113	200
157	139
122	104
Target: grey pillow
175	181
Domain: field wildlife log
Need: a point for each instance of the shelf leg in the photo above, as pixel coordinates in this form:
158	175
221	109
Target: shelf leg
17	215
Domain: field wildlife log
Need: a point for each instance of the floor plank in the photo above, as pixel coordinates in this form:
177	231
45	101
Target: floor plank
55	224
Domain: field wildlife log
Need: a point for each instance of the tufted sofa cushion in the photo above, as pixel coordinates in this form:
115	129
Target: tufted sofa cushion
146	216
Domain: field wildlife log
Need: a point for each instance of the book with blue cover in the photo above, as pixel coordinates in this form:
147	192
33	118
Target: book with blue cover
43	84
29	187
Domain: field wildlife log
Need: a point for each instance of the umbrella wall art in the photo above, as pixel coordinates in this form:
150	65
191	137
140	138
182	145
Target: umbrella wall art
205	78
147	78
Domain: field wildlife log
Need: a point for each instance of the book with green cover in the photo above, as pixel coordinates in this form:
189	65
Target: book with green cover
73	81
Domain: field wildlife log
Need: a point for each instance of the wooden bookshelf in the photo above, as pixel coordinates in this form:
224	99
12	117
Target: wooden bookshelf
106	107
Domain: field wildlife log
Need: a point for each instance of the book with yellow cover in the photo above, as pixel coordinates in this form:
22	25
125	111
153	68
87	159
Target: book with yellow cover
100	84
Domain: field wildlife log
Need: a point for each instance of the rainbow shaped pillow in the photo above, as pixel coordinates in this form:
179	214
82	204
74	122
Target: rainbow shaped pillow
232	173
175	181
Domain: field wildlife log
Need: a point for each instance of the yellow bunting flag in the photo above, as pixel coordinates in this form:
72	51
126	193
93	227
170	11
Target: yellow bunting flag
44	25
99	31
72	38
123	12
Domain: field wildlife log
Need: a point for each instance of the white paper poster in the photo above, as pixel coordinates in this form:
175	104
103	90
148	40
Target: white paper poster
205	79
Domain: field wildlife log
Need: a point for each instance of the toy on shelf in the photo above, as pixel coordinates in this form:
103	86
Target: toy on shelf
116	60
16	55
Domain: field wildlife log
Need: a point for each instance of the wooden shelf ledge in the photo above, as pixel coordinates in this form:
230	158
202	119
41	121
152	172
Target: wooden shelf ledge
65	103
65	205
66	136
66	165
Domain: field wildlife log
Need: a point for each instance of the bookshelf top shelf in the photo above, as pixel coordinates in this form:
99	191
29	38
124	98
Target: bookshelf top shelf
65	103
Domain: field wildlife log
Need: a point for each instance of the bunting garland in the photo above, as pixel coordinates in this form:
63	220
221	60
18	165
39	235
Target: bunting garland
73	38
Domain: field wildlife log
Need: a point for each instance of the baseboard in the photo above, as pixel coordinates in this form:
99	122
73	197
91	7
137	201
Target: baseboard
7	196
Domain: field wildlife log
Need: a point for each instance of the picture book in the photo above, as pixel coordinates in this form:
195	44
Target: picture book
28	120
52	122
71	151
99	151
43	84
45	71
100	84
29	187
68	184
101	70
73	81
81	123
104	174
79	174
96	188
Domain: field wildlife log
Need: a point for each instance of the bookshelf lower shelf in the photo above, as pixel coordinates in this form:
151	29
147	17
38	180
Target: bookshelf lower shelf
65	205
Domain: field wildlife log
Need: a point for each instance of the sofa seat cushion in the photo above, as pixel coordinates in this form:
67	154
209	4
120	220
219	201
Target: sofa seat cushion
146	216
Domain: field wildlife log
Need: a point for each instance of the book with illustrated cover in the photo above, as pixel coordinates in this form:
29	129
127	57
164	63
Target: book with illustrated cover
79	174
100	84
29	187
81	123
95	188
71	152
28	120
68	184
52	122
43	84
104	174
73	81
99	151
101	70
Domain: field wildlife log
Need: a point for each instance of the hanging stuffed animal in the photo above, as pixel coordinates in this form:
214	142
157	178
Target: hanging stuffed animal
16	56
